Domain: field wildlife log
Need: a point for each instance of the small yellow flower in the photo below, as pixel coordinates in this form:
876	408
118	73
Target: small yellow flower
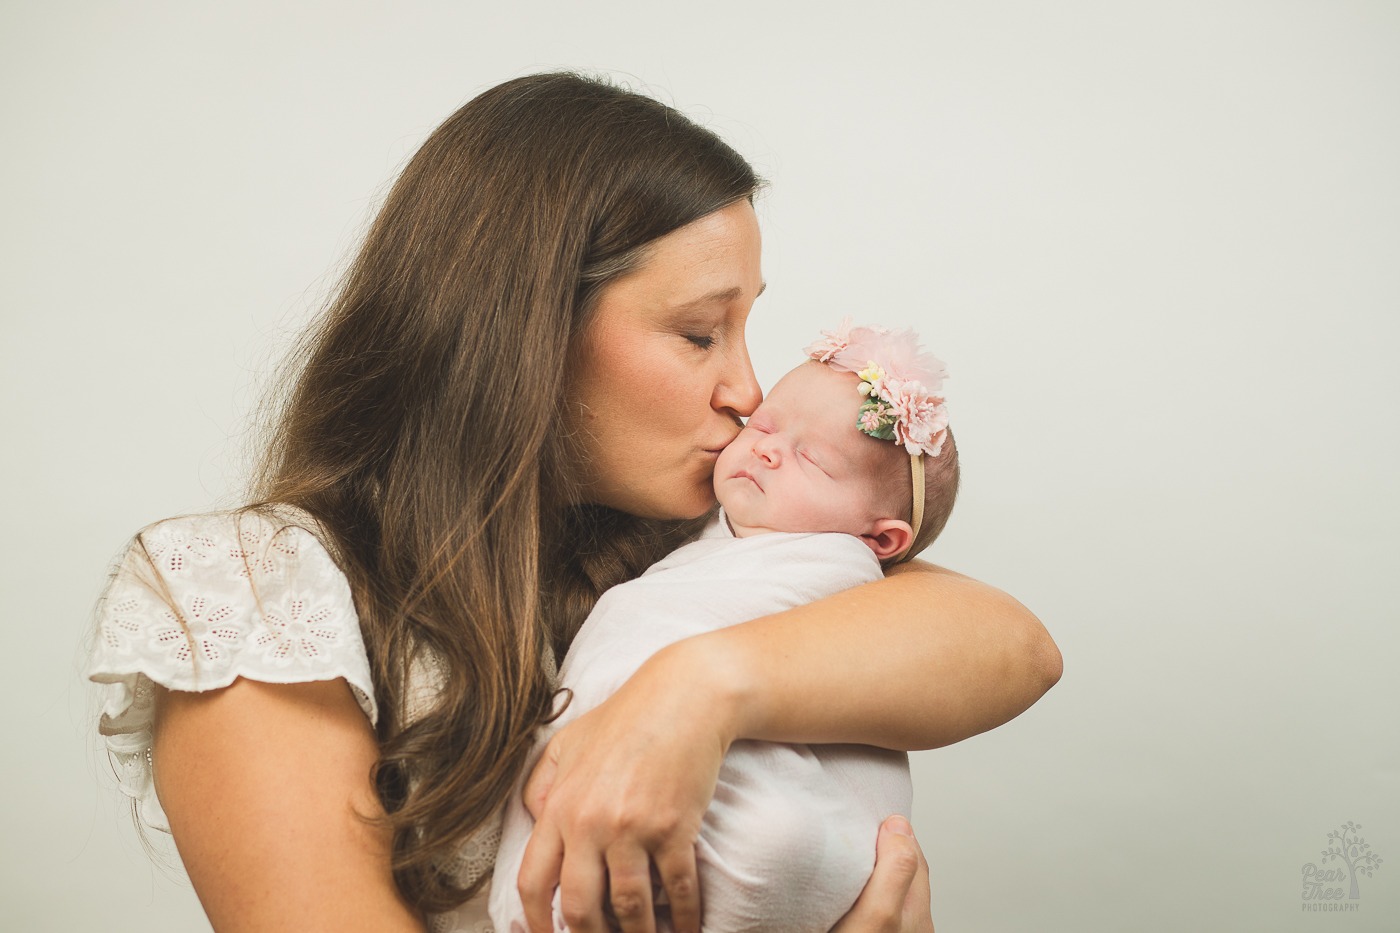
872	372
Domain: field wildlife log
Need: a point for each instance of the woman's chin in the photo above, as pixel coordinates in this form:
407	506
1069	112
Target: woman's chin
678	507
691	497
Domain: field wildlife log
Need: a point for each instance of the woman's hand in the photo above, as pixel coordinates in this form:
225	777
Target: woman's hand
896	898
619	788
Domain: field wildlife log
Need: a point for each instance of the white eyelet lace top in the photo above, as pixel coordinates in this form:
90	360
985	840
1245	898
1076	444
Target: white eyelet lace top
259	598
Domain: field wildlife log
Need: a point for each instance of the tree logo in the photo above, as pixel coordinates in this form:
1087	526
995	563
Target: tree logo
1348	855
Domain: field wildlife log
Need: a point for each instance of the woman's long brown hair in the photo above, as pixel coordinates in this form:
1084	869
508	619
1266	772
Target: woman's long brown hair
421	429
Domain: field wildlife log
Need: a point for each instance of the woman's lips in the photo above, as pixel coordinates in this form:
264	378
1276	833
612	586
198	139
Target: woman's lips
716	448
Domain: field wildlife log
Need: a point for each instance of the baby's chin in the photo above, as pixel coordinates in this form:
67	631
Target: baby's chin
738	521
730	500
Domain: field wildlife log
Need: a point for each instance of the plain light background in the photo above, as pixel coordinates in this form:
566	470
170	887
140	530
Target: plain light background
1157	243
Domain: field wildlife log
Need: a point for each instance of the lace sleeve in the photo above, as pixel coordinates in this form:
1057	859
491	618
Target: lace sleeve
195	603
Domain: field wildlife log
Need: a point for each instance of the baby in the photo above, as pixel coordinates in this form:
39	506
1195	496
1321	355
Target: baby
846	466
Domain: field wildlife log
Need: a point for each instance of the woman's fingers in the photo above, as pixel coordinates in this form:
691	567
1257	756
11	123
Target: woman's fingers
896	898
627	883
918	903
583	883
619	787
681	880
629	889
536	790
539	877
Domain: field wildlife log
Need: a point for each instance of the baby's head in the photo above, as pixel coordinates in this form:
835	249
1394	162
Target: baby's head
838	446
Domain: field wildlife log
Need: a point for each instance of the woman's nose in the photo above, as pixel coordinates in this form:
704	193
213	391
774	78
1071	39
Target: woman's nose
738	391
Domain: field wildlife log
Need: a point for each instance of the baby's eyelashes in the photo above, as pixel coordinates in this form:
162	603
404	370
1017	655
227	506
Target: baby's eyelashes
813	461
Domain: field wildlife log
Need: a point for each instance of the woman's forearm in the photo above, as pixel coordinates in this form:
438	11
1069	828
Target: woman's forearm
924	658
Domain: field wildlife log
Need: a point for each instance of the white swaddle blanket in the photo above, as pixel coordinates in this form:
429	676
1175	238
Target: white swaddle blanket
789	839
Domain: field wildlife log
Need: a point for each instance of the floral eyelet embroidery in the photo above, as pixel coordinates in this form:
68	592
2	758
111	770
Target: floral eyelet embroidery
256	556
210	632
174	550
296	634
121	625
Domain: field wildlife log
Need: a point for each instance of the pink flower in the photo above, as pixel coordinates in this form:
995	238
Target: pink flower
870	418
921	419
830	343
899	355
898	372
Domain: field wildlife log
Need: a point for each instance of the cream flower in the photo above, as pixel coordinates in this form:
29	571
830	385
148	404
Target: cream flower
872	373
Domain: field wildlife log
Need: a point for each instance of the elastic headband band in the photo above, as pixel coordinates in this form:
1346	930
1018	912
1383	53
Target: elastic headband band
916	469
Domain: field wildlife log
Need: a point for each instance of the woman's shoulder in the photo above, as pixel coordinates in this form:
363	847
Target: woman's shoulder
202	543
210	597
250	551
197	601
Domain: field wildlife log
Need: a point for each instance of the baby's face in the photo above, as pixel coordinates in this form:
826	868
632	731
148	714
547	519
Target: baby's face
801	464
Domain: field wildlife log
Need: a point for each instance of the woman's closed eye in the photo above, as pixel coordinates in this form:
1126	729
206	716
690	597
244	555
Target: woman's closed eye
703	341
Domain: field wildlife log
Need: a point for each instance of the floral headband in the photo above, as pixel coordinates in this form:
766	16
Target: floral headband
903	390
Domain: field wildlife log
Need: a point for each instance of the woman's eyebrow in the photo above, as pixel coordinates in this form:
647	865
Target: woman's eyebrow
721	296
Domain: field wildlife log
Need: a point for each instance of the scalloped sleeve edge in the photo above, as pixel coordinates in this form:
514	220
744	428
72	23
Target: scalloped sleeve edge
195	603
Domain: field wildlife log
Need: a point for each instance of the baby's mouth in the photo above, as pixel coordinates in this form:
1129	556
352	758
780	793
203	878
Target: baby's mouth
745	474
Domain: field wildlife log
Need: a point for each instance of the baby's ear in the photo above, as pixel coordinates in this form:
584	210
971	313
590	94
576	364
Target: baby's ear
888	537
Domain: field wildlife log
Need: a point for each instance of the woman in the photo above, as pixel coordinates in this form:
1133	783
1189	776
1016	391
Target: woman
514	402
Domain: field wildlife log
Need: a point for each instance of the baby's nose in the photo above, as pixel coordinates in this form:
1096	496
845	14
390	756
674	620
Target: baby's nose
768	451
